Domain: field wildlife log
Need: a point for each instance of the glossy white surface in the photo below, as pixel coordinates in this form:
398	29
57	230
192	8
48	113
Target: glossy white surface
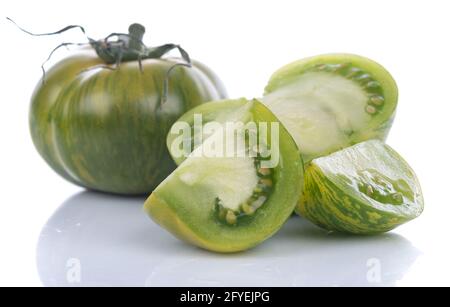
115	244
51	230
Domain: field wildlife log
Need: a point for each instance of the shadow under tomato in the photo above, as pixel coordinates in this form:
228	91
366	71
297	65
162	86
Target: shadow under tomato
98	239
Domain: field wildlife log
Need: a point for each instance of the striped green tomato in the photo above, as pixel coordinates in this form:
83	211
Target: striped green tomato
105	129
231	202
329	102
364	189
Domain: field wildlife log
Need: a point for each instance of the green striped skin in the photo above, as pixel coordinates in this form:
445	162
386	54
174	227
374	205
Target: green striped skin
188	211
351	122
105	129
364	189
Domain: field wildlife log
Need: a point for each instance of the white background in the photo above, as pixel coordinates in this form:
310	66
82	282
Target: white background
244	42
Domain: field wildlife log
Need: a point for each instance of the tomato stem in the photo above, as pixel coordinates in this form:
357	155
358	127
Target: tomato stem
121	47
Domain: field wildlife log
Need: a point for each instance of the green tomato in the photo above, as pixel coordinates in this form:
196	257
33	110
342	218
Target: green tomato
229	202
330	102
364	189
105	129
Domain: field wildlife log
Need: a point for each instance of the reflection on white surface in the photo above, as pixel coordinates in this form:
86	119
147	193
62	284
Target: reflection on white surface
96	239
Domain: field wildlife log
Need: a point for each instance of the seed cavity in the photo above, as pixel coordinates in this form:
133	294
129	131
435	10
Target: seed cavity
334	67
369	190
383	189
258	189
266	182
353	72
373	84
371	109
398	197
259	202
222	211
249	210
377	100
263	171
259	197
231	217
364	79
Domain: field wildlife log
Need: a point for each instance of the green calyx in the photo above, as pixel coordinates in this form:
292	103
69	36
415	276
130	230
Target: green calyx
120	47
129	47
124	47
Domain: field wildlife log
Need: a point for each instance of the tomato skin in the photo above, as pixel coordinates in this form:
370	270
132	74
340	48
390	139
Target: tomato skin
106	129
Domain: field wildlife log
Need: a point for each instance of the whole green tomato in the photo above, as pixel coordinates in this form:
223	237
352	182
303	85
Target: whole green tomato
103	125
